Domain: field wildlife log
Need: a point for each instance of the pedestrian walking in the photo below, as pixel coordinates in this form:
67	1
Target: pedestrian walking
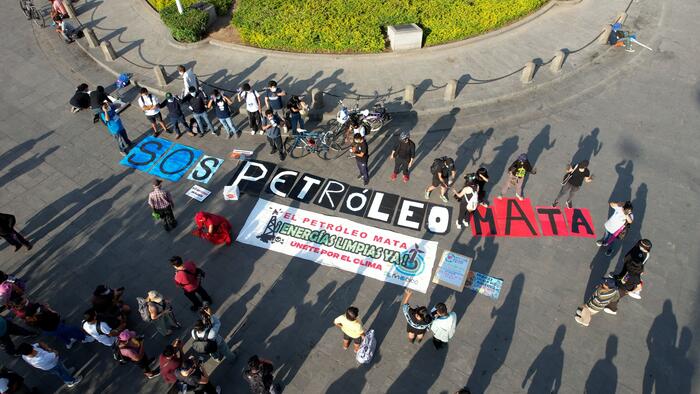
221	104
295	107
151	108
207	339
160	312
214	228
605	293
198	105
443	326
114	124
192	376
131	348
403	154
9	234
468	197
252	105
360	150
351	326
573	180
617	225
8	330
40	356
259	376
444	173
189	79
161	202
189	278
100	330
633	263
418	319
481	178
13	383
170	360
80	99
175	114
516	176
273	97
271	125
49	321
97	98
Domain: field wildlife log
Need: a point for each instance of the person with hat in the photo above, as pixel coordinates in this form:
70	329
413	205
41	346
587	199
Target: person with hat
131	348
516	176
175	114
403	154
161	202
573	180
160	310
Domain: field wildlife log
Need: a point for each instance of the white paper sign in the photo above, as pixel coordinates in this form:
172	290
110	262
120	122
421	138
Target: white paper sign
198	193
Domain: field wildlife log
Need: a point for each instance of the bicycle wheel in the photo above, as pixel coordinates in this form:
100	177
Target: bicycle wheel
374	124
25	9
37	17
295	148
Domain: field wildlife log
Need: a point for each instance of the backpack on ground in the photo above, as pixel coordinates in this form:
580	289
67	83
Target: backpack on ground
366	352
143	309
437	164
203	345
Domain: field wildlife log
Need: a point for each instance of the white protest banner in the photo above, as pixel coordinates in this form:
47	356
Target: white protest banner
452	270
341	243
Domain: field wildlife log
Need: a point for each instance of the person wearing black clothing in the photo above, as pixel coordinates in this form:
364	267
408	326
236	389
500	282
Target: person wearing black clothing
12	236
259	376
294	107
175	114
480	178
192	376
271	125
198	104
9	329
443	177
417	319
403	153
12	383
573	179
97	98
80	99
516	176
634	260
361	152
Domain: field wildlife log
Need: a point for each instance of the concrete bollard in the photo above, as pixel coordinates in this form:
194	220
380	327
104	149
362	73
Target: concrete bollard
528	72
108	51
71	11
557	62
409	94
603	38
451	90
91	38
316	99
160	75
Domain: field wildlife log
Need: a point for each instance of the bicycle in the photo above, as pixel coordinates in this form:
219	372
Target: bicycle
32	13
306	142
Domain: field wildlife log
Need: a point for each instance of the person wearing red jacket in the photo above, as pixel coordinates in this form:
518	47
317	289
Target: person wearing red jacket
189	278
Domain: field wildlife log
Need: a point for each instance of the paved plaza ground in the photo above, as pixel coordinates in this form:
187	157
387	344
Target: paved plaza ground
90	223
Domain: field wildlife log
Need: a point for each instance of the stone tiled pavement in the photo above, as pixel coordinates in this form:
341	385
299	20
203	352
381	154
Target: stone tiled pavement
88	217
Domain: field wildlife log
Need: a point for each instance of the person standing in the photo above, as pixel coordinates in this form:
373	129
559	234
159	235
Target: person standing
271	126
50	322
634	260
444	173
192	376
161	313
99	330
198	104
516	176
151	108
480	177
161	202
273	97
259	376
295	106
97	98
175	114
468	198
417	319
41	356
13	383
443	326
189	278
573	180
252	105
114	124
351	326
403	153
170	360
361	152
206	334
9	234
617	225
221	107
131	347
9	329
189	79
605	293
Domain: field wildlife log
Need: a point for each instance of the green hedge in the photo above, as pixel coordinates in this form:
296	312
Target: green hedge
187	27
360	25
222	6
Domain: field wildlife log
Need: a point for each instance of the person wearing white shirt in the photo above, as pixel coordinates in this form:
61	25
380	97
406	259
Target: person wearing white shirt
251	98
151	108
98	330
357	128
616	226
443	326
41	356
188	79
208	328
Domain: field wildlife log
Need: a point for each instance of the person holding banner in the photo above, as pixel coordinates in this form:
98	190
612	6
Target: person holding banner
417	319
214	228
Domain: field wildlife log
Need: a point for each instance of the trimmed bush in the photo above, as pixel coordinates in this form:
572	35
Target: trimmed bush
359	25
222	6
187	27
